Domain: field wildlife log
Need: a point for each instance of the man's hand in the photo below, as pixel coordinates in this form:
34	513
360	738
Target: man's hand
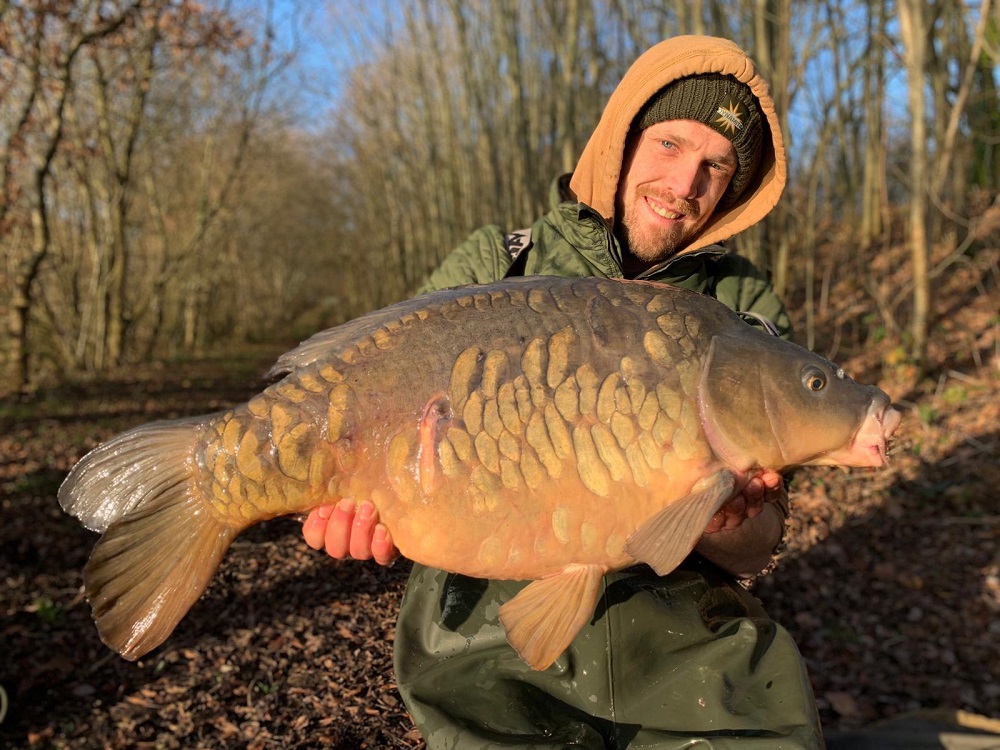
765	486
743	535
349	530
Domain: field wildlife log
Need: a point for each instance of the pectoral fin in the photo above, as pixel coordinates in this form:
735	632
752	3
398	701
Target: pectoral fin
542	620
669	536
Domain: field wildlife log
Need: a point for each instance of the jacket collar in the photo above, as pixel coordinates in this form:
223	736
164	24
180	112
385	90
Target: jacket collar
563	200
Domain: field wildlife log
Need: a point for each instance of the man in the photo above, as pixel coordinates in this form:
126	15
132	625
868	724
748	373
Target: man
687	153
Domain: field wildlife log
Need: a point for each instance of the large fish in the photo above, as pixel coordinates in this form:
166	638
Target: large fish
539	428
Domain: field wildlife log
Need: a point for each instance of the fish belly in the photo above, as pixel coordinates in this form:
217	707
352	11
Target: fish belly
527	534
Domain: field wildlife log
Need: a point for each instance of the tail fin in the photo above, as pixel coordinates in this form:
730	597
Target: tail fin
162	543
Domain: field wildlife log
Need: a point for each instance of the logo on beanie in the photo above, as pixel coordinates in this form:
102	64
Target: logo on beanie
729	118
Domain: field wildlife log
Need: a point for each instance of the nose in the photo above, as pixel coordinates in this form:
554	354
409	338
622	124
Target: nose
685	178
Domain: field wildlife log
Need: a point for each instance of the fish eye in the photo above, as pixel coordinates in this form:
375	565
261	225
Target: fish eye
814	379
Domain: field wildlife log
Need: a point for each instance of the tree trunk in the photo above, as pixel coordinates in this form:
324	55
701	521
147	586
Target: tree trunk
912	24
873	163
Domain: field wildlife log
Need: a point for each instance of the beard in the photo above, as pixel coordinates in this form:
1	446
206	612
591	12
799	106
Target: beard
650	244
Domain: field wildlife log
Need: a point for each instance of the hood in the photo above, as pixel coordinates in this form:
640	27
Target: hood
595	179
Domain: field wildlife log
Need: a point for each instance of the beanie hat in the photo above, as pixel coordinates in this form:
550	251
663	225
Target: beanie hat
723	104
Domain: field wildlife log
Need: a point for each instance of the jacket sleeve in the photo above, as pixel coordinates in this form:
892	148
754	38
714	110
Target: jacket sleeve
479	260
743	287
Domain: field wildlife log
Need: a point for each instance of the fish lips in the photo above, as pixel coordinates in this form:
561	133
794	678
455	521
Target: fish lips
868	446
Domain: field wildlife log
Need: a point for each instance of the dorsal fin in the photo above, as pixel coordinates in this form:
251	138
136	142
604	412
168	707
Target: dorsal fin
342	337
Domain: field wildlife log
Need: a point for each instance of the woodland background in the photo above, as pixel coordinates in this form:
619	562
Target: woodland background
176	176
188	189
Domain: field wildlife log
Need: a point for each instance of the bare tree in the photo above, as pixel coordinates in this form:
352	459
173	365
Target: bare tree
873	185
42	43
914	33
85	171
953	114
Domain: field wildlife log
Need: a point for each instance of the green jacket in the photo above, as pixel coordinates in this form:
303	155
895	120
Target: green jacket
695	657
571	240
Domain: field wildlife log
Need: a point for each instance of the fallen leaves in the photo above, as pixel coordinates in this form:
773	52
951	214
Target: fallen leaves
843	703
890	582
287	648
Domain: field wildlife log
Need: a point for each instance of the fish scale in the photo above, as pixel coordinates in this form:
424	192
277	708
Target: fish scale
582	456
538	428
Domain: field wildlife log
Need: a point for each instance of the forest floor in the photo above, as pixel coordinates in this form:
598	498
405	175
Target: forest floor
889	582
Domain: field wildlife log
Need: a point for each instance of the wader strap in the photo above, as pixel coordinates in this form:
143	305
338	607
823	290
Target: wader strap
768	325
517	244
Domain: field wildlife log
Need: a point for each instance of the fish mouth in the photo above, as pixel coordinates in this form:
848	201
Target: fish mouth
868	447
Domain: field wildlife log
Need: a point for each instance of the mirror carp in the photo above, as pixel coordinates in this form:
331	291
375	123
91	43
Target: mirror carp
535	428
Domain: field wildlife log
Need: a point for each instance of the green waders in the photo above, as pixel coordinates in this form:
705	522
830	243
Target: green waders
696	663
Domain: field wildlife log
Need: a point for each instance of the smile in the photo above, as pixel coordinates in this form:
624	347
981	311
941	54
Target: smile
662	211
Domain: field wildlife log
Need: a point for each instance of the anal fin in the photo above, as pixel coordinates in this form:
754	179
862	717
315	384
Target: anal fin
542	620
669	536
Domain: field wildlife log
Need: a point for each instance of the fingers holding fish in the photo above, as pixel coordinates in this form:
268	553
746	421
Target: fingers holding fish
731	515
746	549
330	527
362	529
384	551
349	530
315	526
744	533
763	487
368	537
765	480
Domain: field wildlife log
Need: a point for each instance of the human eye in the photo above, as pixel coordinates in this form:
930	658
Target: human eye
722	167
667	144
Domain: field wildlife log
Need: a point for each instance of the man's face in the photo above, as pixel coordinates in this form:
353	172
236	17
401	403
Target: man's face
673	175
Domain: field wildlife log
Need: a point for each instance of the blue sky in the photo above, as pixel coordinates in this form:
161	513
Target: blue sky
303	26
